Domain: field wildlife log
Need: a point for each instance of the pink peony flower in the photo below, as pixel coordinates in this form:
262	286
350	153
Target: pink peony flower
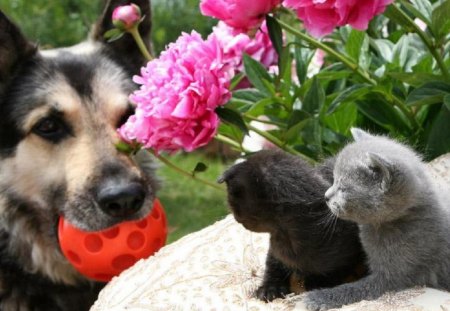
234	44
244	15
178	95
321	17
126	16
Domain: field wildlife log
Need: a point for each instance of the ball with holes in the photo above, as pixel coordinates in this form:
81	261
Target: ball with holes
104	254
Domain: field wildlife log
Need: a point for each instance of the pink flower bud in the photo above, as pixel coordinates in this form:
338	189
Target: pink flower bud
127	16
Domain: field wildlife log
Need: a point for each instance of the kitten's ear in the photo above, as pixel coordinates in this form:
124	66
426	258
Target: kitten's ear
230	173
125	49
359	135
382	165
14	49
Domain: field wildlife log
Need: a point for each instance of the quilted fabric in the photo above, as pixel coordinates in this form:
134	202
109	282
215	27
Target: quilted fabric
220	267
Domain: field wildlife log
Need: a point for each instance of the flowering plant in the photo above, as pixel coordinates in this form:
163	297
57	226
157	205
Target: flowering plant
308	69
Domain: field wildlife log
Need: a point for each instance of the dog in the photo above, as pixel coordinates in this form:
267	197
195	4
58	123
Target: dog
59	113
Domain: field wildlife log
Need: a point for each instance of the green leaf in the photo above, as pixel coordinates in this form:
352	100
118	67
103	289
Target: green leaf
343	119
303	57
292	134
396	16
314	98
126	148
429	93
437	141
259	107
421	8
232	117
256	74
383	114
447	101
415	79
236	80
275	33
384	47
113	34
352	93
440	21
284	62
199	167
251	95
354	44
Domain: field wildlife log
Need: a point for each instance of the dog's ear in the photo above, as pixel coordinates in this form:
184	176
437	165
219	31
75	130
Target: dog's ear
14	49
125	49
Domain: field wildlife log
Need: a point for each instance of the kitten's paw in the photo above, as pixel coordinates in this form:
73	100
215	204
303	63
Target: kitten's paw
270	292
318	300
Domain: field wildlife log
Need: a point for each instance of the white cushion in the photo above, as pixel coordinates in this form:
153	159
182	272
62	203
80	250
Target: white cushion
220	267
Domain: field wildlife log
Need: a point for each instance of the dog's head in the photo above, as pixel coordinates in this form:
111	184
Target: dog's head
59	111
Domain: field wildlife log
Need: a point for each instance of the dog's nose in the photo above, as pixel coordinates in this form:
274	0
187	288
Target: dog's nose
121	201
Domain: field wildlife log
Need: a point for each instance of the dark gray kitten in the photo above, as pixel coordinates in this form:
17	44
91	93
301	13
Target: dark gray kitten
404	224
281	194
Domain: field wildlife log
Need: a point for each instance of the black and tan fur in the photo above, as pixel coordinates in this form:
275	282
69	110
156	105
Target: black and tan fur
59	111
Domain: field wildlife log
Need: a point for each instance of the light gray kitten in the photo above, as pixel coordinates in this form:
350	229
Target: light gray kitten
404	224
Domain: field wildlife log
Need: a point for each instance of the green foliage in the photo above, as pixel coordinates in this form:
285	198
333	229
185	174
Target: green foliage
190	205
392	79
67	22
171	17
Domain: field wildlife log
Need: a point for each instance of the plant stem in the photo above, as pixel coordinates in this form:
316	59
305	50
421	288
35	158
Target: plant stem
426	40
281	124
345	60
279	143
231	142
140	43
185	173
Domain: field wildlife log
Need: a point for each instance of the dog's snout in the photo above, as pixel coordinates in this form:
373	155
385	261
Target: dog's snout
121	201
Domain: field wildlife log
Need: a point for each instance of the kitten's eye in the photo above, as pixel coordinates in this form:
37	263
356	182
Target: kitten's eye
51	128
128	113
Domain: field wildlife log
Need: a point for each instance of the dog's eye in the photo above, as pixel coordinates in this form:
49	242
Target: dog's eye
51	128
124	118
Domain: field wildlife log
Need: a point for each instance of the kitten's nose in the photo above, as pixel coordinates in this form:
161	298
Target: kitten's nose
329	194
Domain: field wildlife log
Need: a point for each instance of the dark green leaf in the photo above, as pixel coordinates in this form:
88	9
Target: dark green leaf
284	62
293	133
382	113
395	16
440	21
314	98
275	33
429	93
256	74
447	101
200	167
232	117
251	95
302	57
438	142
415	79
352	93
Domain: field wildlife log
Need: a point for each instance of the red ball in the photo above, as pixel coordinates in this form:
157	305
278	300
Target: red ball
104	254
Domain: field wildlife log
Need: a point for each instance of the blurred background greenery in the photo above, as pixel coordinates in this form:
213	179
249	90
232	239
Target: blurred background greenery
189	205
66	22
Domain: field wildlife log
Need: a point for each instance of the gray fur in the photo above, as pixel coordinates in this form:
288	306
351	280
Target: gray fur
404	226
